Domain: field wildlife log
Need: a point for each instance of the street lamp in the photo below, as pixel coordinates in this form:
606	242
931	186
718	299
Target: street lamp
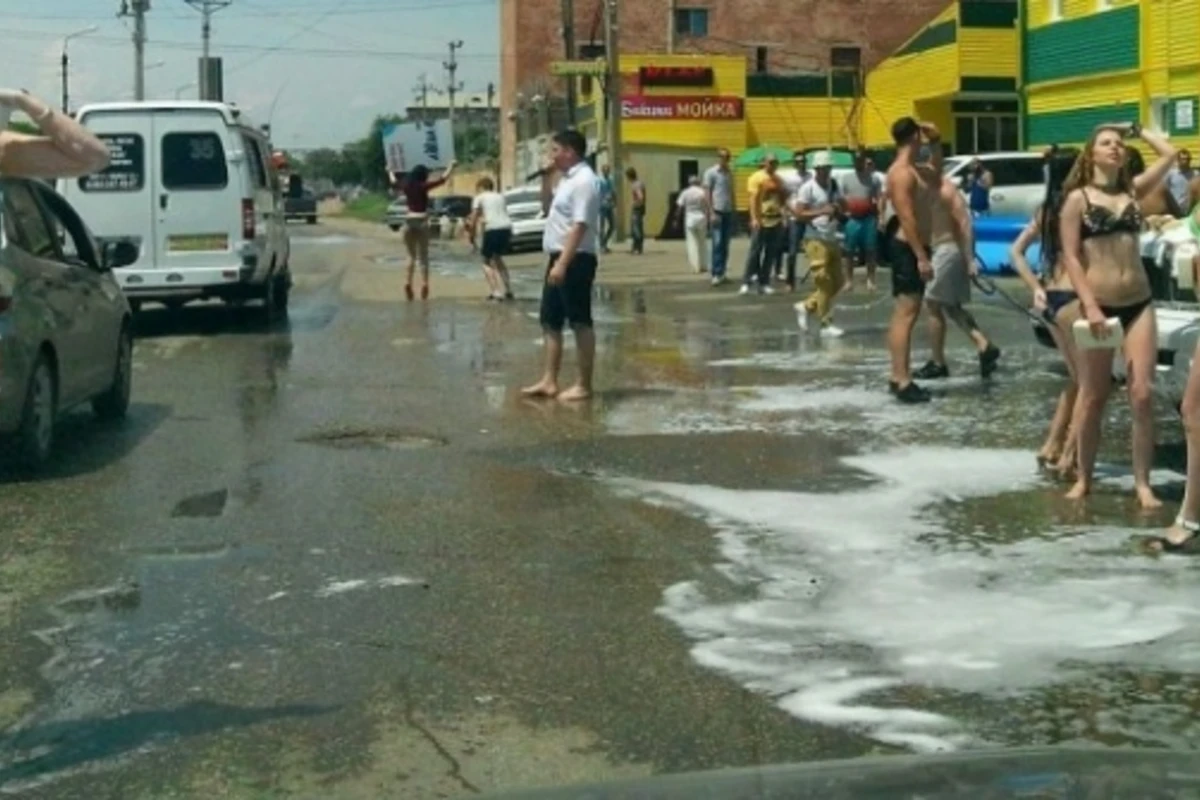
66	64
179	90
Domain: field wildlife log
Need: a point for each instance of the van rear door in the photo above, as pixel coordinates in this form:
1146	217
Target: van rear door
198	192
118	203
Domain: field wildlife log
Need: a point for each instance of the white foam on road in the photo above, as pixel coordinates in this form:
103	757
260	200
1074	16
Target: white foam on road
850	595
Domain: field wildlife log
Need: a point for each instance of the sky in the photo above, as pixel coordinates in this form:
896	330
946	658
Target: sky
318	70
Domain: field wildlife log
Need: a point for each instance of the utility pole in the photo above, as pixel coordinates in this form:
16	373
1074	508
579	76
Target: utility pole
137	9
452	87
206	8
568	34
421	92
612	81
672	5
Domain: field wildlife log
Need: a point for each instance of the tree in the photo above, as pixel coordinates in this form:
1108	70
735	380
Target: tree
476	143
369	153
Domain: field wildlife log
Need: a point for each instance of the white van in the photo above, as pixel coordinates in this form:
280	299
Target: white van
191	184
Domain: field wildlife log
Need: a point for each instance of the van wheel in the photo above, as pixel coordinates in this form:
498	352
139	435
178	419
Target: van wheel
394	228
35	437
312	220
114	403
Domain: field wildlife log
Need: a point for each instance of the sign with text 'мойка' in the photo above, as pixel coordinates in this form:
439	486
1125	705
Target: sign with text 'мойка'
647	107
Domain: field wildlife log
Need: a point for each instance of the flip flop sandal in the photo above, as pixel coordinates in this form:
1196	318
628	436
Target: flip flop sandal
1188	545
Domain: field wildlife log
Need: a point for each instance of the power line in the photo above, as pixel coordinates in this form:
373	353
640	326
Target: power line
300	32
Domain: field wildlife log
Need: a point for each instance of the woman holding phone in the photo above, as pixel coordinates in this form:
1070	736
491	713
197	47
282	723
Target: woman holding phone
1099	227
1054	301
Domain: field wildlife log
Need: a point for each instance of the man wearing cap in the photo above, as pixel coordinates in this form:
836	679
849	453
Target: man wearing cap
817	206
766	225
795	227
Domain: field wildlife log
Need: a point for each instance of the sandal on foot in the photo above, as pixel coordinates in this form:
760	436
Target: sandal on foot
408	292
1188	545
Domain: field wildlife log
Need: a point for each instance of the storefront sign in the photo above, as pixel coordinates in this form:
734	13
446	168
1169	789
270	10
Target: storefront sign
644	107
569	68
675	76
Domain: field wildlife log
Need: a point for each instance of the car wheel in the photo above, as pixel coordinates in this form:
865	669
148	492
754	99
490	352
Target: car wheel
135	306
173	305
114	403
35	437
394	228
312	220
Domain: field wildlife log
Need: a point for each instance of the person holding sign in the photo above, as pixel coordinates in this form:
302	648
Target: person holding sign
416	187
65	149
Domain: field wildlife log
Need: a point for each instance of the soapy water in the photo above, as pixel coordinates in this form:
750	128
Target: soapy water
845	604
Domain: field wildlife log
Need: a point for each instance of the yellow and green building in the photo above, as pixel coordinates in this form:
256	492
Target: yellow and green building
1085	62
961	72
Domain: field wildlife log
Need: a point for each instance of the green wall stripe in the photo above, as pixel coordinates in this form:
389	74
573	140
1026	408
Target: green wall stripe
1104	42
938	35
767	85
1073	125
988	13
967	83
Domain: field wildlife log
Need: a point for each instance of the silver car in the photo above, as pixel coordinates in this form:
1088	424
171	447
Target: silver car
65	326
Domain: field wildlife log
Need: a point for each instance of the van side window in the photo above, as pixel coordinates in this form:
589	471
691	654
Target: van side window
126	170
193	161
254	156
32	232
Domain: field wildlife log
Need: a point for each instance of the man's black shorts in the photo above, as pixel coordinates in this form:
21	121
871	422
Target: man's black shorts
495	243
570	302
906	276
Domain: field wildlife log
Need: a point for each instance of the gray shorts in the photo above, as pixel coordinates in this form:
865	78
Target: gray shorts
951	285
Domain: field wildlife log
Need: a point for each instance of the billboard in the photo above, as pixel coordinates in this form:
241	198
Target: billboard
652	107
407	144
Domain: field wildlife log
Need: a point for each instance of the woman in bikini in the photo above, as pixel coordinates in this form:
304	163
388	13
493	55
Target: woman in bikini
1099	226
1053	299
416	187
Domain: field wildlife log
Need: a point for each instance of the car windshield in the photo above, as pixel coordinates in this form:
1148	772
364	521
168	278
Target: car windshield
952	164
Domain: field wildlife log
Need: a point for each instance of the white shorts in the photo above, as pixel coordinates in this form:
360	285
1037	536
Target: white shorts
951	285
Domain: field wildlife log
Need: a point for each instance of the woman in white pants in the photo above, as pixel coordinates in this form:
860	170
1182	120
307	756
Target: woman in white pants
693	208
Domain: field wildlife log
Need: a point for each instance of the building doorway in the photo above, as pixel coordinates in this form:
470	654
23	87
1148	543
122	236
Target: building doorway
986	133
687	168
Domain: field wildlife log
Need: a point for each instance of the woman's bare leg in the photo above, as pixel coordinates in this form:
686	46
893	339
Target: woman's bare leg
1067	451
1095	384
423	257
1141	356
502	273
1189	510
410	244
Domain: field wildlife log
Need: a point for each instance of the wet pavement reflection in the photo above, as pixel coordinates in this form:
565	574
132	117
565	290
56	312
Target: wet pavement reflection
347	543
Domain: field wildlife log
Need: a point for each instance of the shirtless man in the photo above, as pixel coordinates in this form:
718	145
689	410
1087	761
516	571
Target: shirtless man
915	193
953	244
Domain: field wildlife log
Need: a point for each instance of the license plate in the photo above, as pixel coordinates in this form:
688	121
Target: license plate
197	243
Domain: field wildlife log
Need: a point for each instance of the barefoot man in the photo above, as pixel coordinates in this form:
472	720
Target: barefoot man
572	219
914	182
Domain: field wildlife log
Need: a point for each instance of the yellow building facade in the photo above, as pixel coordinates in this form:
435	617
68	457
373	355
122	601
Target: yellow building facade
960	72
1086	62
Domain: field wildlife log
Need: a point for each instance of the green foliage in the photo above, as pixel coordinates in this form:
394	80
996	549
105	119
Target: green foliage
371	207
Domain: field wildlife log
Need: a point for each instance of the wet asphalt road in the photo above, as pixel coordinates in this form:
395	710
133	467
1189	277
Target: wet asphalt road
343	558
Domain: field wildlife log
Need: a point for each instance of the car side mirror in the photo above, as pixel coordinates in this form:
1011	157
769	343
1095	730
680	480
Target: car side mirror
118	254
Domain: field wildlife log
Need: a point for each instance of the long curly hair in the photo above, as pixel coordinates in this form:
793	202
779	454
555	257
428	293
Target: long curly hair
1085	166
1061	166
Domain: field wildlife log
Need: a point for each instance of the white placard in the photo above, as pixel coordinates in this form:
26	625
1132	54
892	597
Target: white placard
1185	115
407	144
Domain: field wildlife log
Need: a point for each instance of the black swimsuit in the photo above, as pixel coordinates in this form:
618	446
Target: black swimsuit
1100	221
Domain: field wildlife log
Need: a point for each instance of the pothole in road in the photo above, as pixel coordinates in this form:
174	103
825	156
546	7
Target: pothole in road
354	439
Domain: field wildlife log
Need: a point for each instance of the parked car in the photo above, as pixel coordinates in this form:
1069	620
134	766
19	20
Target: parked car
528	221
65	331
1018	187
192	186
397	210
451	207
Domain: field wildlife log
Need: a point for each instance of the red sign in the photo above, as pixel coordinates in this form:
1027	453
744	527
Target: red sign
675	76
645	107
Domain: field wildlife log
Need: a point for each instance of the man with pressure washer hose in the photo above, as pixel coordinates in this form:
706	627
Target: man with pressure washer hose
946	295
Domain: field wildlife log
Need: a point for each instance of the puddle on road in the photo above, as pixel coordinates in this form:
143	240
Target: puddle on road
204	505
354	439
332	240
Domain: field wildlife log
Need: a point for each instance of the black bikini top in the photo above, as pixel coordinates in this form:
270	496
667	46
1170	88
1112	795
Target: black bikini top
1099	221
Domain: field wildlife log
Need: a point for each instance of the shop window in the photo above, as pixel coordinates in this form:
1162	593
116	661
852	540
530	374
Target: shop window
1159	114
1010	133
760	59
964	134
987	134
691	22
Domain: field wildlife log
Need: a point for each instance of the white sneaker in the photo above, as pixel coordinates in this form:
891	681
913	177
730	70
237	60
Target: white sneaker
717	281
831	331
766	290
802	316
745	289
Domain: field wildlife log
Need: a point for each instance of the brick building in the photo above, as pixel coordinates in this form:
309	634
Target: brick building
774	36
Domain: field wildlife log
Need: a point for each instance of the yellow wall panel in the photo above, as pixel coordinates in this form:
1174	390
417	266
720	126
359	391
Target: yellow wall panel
1102	91
988	52
896	85
799	122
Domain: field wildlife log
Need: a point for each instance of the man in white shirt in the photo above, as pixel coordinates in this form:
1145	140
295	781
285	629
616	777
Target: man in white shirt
817	206
572	221
491	210
693	214
795	228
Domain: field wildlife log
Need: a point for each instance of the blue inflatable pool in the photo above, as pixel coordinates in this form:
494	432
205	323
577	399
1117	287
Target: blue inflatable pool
993	237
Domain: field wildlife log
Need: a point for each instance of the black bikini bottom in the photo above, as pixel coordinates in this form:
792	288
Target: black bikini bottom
1126	314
